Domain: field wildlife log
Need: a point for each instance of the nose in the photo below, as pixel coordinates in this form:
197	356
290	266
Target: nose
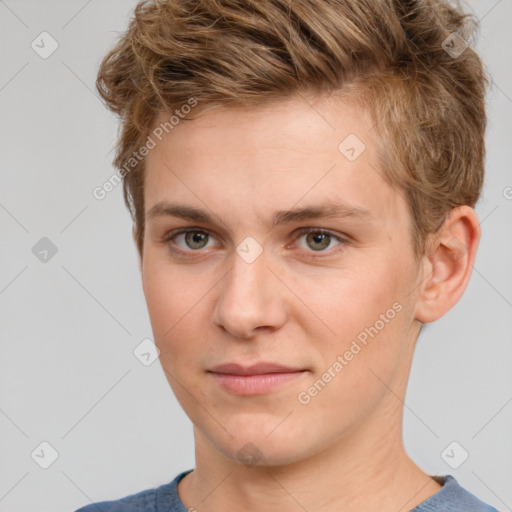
251	299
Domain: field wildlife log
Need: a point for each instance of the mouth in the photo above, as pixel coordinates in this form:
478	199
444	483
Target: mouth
258	379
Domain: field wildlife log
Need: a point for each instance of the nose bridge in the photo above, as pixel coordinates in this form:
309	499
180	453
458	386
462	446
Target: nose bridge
248	299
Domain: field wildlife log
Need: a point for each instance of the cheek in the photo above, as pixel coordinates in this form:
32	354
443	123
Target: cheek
173	308
357	369
172	301
349	301
366	320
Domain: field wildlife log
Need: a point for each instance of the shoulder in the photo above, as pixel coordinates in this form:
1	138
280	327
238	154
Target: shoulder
453	498
144	501
159	499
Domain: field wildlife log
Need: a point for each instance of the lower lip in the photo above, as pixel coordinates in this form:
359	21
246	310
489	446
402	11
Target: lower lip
255	384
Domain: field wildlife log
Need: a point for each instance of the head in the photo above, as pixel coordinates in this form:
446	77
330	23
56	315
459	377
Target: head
239	124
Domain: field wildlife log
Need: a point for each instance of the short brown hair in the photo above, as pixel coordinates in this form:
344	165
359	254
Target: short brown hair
390	56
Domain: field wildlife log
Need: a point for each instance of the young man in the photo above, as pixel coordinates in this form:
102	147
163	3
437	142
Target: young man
302	177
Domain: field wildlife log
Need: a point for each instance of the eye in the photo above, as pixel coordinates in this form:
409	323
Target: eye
318	240
312	240
190	240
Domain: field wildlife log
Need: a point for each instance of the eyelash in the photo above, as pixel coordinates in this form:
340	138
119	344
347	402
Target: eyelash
301	232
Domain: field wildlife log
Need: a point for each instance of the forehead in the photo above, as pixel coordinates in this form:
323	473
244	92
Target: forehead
254	161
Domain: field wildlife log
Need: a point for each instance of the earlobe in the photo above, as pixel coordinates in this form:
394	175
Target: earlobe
448	264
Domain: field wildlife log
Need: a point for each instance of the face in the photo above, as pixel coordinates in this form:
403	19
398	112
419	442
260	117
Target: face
277	269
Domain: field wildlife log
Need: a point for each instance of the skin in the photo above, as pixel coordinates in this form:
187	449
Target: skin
293	305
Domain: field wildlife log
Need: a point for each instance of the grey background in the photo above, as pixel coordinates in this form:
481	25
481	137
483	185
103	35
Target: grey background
69	326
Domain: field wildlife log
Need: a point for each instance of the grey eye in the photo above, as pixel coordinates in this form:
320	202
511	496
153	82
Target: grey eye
318	241
194	239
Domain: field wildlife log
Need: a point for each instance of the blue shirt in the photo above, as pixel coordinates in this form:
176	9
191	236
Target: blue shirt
450	498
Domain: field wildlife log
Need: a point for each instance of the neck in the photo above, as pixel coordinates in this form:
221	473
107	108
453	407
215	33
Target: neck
366	470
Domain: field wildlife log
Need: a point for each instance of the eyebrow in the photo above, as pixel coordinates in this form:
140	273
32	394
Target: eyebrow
321	211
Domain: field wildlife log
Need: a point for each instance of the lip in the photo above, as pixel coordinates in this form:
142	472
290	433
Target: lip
258	379
255	369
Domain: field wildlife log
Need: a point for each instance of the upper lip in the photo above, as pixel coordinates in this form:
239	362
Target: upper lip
255	369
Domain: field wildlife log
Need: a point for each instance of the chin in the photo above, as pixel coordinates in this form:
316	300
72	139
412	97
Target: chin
262	453
260	443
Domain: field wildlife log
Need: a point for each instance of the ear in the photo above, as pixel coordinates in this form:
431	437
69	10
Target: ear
134	236
448	264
